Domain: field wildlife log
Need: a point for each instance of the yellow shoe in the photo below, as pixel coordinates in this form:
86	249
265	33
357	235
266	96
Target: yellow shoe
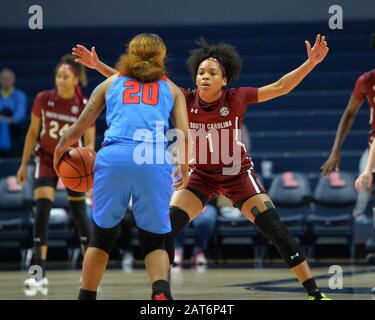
319	296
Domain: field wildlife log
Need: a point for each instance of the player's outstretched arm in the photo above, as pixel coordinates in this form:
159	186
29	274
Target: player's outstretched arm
287	83
91	60
365	178
346	122
28	148
94	107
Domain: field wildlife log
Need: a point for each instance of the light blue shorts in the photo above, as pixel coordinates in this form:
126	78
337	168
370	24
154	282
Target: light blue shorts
117	177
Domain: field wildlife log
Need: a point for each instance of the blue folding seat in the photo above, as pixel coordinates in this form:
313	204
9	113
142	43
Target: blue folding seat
334	199
292	196
15	216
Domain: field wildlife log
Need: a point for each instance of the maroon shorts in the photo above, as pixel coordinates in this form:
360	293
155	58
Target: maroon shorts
44	165
237	188
45	175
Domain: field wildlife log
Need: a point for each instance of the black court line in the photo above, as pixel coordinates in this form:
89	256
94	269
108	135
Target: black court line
271	285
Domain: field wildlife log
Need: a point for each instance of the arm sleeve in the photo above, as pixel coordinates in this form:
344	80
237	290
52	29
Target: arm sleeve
359	91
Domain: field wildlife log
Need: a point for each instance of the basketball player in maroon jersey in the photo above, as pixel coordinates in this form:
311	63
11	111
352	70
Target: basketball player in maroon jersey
53	112
220	165
364	88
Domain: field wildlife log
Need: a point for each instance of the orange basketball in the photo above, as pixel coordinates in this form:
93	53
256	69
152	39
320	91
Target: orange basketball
76	169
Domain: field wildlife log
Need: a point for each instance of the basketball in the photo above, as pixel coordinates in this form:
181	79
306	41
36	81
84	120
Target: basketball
76	169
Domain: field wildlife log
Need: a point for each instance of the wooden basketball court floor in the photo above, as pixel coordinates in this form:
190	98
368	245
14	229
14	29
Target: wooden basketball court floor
212	283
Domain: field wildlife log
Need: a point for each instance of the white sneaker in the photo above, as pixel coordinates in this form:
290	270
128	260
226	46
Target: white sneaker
32	292
200	268
32	282
178	257
199	259
127	261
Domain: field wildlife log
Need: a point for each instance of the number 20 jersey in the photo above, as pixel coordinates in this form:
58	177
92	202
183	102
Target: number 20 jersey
138	112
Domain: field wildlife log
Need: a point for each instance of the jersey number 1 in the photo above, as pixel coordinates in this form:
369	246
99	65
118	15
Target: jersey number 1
150	92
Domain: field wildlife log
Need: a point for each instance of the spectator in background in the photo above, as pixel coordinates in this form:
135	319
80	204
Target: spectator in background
12	100
12	108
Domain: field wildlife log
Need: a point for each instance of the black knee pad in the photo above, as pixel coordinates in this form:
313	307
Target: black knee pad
268	222
170	247
149	241
179	219
81	220
43	209
104	238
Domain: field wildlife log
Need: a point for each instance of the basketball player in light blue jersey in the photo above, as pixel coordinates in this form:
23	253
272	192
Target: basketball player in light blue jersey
134	161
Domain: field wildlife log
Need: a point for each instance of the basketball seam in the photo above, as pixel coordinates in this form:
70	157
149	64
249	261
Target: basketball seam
84	166
75	168
65	177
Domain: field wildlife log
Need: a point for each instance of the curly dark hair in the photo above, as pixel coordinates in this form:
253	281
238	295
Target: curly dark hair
223	52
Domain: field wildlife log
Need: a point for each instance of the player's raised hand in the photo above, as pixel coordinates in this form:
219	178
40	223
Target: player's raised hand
364	181
85	56
319	51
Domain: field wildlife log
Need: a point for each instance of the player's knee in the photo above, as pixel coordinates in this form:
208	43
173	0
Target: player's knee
104	238
149	241
269	223
179	219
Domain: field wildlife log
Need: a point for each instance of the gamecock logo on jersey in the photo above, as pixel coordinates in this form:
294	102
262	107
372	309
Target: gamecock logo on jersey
224	111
